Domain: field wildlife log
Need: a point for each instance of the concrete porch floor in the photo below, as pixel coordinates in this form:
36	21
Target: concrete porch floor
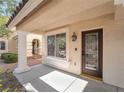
33	75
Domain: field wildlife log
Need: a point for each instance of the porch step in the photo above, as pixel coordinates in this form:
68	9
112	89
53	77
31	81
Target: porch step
90	77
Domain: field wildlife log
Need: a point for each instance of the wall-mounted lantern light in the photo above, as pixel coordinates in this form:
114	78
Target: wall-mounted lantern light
74	36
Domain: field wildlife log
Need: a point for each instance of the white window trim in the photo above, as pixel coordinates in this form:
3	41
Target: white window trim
59	31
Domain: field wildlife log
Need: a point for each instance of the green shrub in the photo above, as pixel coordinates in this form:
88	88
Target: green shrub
10	57
2	55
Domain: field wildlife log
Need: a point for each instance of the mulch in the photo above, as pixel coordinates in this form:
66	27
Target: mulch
9	83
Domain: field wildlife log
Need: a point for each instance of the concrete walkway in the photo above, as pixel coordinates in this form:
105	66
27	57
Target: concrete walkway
12	66
5	66
32	78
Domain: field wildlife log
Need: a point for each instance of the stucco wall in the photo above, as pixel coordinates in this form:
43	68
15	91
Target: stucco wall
74	59
13	48
113	45
113	56
53	61
30	39
6	45
119	15
75	56
12	45
113	51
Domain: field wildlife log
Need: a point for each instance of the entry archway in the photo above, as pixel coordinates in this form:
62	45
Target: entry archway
35	47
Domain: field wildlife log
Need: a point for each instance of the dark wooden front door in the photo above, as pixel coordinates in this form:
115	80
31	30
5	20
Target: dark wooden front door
92	46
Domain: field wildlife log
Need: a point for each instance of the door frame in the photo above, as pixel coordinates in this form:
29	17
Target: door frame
100	30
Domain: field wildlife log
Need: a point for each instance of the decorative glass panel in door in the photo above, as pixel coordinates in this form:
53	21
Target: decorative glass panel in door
91	51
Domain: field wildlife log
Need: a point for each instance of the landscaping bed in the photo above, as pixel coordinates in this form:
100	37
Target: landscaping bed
9	57
9	83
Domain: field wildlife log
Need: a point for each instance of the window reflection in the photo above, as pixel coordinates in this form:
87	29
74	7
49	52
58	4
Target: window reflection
61	45
51	45
91	51
56	45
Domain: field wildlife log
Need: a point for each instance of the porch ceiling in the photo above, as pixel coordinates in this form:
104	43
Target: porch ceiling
63	12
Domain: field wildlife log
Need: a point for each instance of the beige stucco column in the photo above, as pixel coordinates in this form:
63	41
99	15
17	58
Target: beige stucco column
22	50
44	53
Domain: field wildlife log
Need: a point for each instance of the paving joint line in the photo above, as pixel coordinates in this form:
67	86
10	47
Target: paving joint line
70	85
